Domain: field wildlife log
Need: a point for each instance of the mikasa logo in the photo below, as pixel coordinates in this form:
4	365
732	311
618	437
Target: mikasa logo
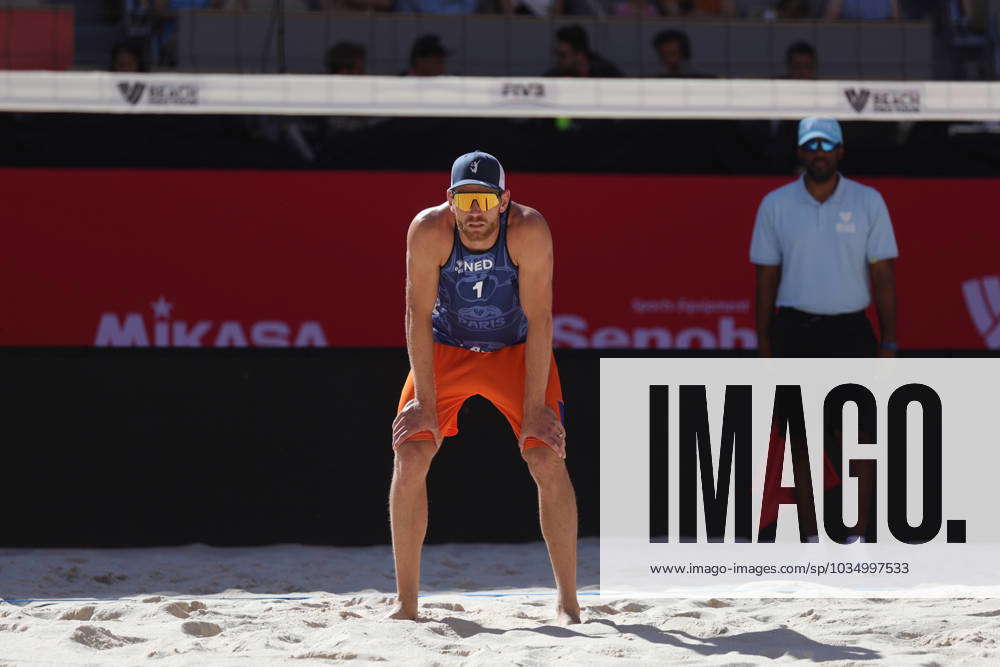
132	331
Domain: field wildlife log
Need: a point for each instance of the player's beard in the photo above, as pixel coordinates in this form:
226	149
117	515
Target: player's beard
477	234
823	172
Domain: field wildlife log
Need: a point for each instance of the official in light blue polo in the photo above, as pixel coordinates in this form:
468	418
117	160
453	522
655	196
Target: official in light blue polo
823	246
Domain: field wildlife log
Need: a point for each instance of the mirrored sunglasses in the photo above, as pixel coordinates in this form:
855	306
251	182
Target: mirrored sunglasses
814	145
486	200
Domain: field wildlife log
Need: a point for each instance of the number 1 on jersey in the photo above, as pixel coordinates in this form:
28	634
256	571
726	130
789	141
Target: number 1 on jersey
478	289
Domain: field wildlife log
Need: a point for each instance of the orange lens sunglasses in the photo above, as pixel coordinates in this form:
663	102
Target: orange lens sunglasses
486	200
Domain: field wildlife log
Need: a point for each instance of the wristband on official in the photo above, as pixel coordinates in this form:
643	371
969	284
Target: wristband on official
889	345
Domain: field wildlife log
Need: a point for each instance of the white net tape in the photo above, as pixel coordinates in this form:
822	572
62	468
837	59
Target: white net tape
105	92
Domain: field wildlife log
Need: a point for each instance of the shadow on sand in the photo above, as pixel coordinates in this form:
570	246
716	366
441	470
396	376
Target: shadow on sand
771	644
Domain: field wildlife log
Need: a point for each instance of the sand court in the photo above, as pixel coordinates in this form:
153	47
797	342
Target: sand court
483	604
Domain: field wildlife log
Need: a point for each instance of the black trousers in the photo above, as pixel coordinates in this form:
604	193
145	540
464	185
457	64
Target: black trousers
795	333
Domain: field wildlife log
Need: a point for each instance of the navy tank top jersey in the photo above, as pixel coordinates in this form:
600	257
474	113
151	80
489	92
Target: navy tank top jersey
478	304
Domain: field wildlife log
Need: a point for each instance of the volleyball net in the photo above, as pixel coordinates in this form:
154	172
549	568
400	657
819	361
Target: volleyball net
447	96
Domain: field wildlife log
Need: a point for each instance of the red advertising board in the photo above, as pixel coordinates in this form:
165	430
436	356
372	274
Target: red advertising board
234	258
36	37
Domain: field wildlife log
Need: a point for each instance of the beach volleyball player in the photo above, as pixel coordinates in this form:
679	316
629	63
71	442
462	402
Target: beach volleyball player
479	321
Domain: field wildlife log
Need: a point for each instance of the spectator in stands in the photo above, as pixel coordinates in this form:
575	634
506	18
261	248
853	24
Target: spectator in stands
699	7
428	57
165	24
127	56
346	58
862	10
574	57
801	61
771	138
437	6
674	49
968	30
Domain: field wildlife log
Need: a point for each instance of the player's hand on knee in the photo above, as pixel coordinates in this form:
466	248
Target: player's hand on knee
415	418
542	423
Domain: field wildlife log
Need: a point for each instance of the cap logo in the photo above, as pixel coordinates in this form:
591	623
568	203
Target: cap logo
474	166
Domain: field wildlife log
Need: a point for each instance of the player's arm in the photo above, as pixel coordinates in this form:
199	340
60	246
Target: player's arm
883	278
422	274
768	278
535	262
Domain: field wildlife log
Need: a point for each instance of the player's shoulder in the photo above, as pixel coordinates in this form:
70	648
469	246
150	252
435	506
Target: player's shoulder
525	221
430	234
431	223
528	236
433	216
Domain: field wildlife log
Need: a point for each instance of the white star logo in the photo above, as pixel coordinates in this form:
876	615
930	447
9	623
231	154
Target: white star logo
161	307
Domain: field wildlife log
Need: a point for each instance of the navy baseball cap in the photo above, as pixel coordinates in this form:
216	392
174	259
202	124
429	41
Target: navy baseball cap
478	168
817	127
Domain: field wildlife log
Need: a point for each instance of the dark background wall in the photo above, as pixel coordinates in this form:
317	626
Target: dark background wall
929	149
171	446
145	446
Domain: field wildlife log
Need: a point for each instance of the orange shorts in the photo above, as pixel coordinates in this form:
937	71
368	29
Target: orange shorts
496	376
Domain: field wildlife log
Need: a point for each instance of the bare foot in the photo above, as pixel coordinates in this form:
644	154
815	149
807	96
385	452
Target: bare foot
566	616
403	612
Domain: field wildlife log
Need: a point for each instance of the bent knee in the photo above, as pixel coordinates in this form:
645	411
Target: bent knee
413	458
543	463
